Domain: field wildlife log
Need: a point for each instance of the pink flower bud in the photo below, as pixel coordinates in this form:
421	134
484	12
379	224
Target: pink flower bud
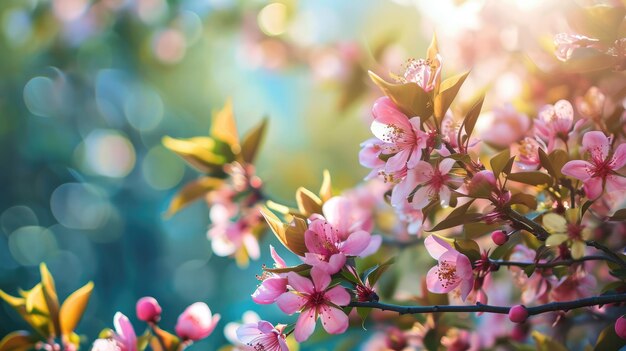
148	309
499	237
518	314
620	327
196	322
482	184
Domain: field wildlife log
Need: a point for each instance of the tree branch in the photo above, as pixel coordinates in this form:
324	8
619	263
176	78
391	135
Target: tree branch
614	257
478	307
529	225
550	264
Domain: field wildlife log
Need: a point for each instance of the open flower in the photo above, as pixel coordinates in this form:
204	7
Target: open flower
555	122
263	335
506	126
567	230
434	184
338	234
315	299
453	269
196	322
423	72
599	171
273	284
565	44
401	137
124	333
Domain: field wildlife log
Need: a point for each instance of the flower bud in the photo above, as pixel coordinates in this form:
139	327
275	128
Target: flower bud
499	237
620	327
518	314
148	309
482	184
196	322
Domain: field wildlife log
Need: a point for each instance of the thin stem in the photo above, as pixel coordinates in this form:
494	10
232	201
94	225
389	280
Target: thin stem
153	327
550	264
531	226
615	258
478	307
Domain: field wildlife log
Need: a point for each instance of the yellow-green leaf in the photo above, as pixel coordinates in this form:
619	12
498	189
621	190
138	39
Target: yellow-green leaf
164	341
472	116
308	203
410	98
198	152
252	141
224	128
17	341
530	178
50	296
290	235
191	192
499	162
73	308
447	92
326	188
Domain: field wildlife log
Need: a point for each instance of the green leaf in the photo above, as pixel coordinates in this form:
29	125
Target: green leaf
585	207
499	162
73	308
224	128
326	189
252	141
530	269
192	191
474	230
503	250
163	338
18	341
585	60
199	152
299	268
363	312
472	116
308	203
447	92
545	343
457	217
531	178
527	200
608	340
409	97
558	158
374	273
545	162
468	247
619	215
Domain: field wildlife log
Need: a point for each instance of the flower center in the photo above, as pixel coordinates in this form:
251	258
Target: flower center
446	274
574	231
392	134
317	298
601	168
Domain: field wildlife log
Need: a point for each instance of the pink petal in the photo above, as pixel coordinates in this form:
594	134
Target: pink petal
314	240
401	191
577	169
373	246
305	326
283	344
436	246
619	157
423	172
338	212
386	112
334	320
422	197
466	287
248	332
356	243
300	283
290	302
434	285
398	161
279	262
615	183
414	158
593	187
565	116
252	246
370	150
321	279
446	165
338	295
444	196
335	263
269	290
597	144
125	330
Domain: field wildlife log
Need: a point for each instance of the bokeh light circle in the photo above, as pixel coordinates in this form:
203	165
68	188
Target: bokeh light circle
17	216
80	206
162	169
31	245
108	153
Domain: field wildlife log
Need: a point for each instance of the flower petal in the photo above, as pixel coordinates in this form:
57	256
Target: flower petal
334	320
556	239
554	223
593	188
125	330
398	162
356	243
278	261
300	283
578	169
338	212
446	165
290	302
615	183
321	279
338	295
436	246
305	326
597	144
269	290
619	157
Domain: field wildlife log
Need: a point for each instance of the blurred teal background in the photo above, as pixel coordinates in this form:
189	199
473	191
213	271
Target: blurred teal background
89	88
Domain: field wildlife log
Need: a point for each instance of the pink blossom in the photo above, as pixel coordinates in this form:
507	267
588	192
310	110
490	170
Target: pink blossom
576	285
423	72
401	137
369	157
196	322
315	299
453	269
338	234
555	122
434	184
591	105
413	218
528	154
105	345
263	336
229	237
600	170
565	44
148	309
124	333
273	284
536	287
506	126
